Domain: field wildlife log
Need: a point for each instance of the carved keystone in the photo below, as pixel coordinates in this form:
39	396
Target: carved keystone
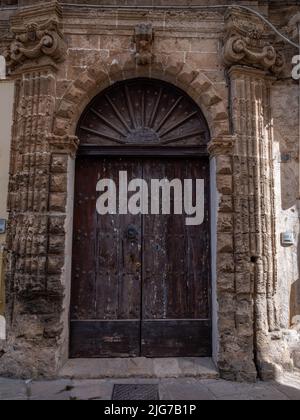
144	41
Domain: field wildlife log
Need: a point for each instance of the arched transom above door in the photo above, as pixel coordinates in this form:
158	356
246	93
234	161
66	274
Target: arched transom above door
143	112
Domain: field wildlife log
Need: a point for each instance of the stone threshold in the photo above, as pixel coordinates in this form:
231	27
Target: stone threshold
185	367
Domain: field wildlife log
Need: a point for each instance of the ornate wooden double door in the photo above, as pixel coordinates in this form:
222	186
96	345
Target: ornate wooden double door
140	282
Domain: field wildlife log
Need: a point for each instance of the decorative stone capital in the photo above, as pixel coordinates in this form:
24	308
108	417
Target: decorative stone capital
37	38
237	72
63	144
222	146
247	42
143	39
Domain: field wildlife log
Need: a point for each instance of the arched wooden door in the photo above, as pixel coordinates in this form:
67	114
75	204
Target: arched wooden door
140	282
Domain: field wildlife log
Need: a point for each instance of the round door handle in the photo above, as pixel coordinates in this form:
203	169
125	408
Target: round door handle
132	232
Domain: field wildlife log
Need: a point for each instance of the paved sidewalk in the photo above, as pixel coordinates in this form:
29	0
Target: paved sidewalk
170	389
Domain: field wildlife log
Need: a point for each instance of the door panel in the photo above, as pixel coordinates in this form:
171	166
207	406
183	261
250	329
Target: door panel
176	338
92	339
106	285
146	294
83	305
176	272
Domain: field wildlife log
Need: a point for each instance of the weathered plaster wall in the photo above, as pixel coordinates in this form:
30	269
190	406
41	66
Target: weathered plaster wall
285	110
6	111
285	107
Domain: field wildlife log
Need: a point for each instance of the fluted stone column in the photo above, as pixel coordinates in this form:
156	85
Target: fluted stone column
252	62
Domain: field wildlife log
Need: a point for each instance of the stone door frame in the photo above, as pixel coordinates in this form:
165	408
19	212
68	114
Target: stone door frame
117	76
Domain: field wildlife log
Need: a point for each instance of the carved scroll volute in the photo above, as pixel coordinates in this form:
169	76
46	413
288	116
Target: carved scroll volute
247	42
37	38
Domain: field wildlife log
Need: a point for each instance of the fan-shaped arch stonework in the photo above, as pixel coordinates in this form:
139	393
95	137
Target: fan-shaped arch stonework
143	112
104	74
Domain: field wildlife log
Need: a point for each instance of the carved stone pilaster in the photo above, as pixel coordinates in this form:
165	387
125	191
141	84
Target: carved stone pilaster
66	144
247	42
222	146
37	38
254	210
37	194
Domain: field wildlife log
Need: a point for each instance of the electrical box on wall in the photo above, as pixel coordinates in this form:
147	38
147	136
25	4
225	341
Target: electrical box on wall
2	226
287	239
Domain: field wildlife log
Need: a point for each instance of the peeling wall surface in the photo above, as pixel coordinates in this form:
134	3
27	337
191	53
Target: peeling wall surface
238	71
285	98
6	111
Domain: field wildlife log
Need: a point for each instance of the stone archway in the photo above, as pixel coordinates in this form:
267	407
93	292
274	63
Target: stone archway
147	294
102	75
50	265
240	351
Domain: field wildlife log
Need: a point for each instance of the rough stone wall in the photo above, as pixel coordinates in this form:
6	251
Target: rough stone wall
51	93
180	36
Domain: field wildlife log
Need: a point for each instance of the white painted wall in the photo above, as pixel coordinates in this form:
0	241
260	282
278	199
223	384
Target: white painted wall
2	68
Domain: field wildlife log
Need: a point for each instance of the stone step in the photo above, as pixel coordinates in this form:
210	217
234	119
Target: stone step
200	368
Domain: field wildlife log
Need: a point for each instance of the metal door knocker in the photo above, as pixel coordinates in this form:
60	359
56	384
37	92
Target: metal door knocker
132	233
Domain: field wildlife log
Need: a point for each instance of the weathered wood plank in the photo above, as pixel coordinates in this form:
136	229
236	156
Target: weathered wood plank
174	338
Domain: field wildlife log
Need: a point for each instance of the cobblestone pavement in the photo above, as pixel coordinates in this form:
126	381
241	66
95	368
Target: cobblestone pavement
170	389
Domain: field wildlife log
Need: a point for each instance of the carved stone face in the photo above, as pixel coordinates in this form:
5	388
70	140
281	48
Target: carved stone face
31	32
144	44
143	40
